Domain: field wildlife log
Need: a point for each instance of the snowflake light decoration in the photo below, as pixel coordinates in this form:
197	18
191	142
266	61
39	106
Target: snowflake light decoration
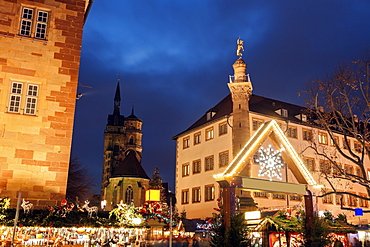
270	162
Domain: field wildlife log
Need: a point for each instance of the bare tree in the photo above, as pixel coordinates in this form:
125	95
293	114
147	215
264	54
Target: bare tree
339	105
79	185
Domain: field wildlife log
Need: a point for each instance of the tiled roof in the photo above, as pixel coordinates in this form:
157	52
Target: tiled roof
129	166
257	104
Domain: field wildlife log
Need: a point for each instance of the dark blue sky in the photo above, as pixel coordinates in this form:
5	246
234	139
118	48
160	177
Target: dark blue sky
175	57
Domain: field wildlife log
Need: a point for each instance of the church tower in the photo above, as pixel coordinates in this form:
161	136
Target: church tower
241	89
123	177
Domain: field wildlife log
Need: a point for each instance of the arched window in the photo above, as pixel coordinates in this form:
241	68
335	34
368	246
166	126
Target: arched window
129	198
131	140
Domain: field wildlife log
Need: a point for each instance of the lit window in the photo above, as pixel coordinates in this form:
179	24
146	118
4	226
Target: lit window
185	196
222	129
129	197
209	192
186	142
209	163
292	132
196	166
310	163
185	169
256	123
323	138
307	135
196	194
209	134
224	159
29	21
197	137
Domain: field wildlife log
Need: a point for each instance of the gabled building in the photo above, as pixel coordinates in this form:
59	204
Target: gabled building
124	179
39	63
249	152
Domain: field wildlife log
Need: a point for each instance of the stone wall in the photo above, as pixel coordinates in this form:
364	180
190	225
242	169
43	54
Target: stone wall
35	148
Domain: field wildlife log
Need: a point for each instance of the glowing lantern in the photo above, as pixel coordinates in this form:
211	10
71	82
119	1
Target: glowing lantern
153	195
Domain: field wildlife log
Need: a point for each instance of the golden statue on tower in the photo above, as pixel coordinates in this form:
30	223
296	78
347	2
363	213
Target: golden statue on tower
240	47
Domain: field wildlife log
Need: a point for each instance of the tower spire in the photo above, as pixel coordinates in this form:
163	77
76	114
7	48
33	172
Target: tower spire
117	104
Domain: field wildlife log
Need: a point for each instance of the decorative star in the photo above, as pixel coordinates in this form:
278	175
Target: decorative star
270	162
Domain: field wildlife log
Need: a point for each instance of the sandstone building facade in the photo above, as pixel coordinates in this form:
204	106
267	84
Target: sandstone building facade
39	63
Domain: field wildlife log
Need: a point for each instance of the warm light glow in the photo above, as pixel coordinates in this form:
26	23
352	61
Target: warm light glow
253	144
136	221
153	195
253	215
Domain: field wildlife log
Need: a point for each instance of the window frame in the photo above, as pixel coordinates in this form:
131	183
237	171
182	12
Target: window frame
322	138
292	132
307	135
196	195
210	134
222	129
197	166
223	159
209	166
197	138
256	123
209	192
185	196
34	25
185	169
186	142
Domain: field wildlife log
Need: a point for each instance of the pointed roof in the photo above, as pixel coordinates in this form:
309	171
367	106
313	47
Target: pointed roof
132	116
116	119
268	130
117	96
130	166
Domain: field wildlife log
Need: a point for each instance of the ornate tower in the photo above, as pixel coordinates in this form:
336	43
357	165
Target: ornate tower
241	89
121	136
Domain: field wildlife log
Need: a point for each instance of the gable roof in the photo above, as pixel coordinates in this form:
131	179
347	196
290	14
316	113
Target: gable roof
257	104
129	166
269	129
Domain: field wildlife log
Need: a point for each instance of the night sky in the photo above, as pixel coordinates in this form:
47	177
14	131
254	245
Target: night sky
175	58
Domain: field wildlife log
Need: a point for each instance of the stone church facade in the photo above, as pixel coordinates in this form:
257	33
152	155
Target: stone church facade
124	179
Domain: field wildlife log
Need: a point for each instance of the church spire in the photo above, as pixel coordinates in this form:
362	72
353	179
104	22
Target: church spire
117	105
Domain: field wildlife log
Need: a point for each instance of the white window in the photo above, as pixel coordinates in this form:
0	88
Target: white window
31	99
34	25
15	97
30	103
